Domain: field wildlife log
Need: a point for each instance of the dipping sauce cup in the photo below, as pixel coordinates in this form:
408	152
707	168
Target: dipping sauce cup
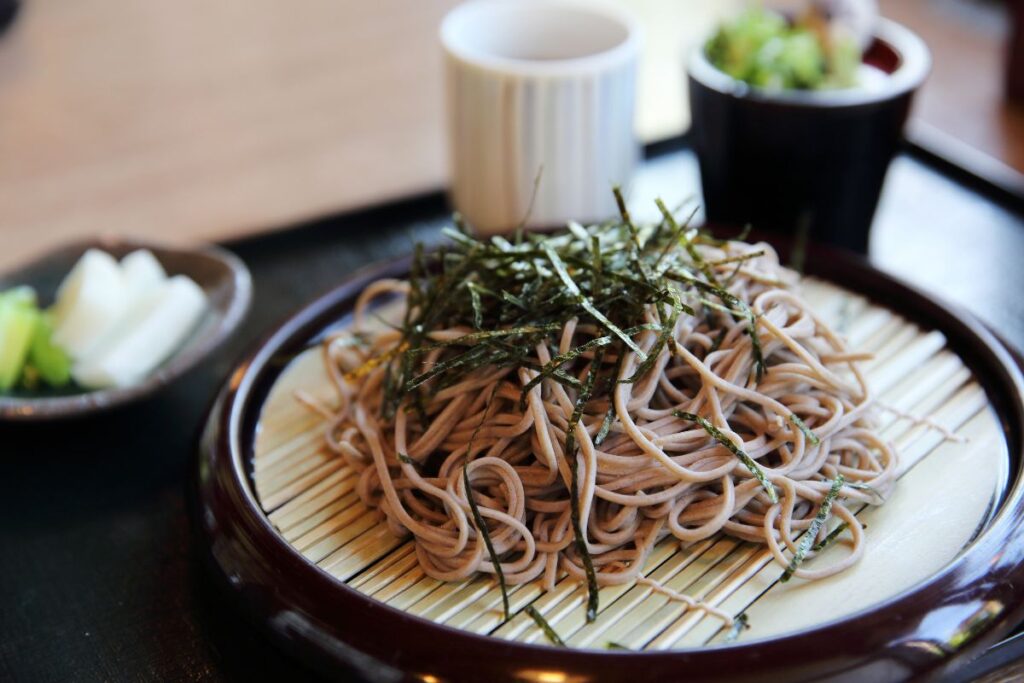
540	93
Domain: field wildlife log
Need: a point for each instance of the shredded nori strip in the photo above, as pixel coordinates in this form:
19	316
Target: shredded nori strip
732	300
721	438
474	337
717	343
802	426
635	242
798	254
478	312
539	619
807	542
574	488
612	645
514	300
551	367
709	273
609	417
831	538
676	233
464	358
481	527
583	301
719	307
739	624
477	517
739	258
519	295
668	327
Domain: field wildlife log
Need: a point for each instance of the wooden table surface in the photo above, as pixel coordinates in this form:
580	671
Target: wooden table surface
192	120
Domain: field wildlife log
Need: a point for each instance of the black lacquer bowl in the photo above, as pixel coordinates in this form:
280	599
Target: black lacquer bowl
924	632
780	160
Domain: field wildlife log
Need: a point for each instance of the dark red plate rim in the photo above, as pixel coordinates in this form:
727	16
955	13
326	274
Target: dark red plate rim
927	631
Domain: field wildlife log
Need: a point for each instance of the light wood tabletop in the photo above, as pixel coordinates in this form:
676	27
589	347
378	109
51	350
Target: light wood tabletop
191	120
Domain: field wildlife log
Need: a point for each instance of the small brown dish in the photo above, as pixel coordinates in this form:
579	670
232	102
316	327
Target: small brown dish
221	275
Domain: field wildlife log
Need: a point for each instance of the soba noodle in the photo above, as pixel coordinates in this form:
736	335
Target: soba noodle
806	423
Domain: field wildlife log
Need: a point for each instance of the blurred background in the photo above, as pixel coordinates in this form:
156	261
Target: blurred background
194	120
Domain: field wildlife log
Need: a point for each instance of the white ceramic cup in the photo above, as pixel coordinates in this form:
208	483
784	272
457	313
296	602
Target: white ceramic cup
539	87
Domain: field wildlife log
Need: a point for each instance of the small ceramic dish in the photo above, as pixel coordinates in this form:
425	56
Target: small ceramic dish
221	275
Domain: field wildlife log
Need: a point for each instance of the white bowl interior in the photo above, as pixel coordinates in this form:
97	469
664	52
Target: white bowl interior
533	31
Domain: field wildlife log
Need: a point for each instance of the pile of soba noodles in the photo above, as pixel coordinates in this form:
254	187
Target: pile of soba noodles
595	391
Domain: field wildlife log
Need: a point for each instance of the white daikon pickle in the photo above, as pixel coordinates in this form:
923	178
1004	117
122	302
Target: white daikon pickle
142	274
154	329
91	301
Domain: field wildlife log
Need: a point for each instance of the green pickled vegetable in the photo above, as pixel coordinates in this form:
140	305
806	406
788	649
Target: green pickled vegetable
736	45
763	49
49	360
23	295
18	321
28	355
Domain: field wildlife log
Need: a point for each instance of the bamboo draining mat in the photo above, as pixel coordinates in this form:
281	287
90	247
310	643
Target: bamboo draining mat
946	492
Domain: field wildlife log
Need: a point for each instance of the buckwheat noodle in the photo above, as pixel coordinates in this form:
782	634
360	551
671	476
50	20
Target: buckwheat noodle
655	475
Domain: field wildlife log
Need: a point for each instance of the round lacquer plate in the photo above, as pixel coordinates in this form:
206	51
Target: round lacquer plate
940	580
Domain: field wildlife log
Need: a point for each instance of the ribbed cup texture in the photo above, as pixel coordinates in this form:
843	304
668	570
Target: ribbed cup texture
574	133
